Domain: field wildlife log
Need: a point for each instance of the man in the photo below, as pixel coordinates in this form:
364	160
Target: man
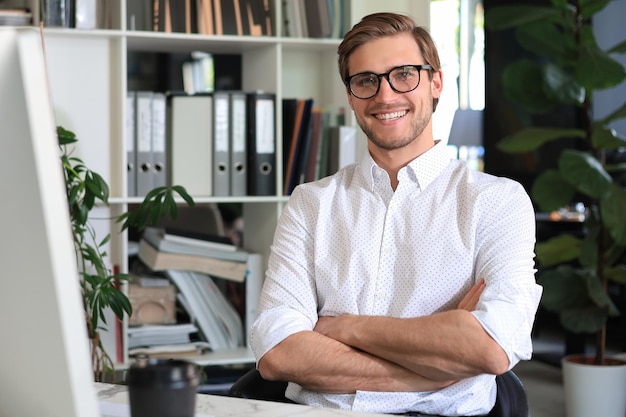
403	283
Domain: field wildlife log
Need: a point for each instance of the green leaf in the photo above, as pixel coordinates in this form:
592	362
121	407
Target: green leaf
184	194
589	249
542	38
119	303
533	137
605	138
103	187
558	250
587	320
590	7
561	85
613	209
65	137
614	254
506	17
521	87
563	288
598	294
584	172
551	192
616	274
620	48
597	70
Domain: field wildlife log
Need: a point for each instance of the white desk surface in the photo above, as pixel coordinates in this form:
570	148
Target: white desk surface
221	406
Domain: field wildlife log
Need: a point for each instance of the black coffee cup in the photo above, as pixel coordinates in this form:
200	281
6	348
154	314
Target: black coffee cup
162	388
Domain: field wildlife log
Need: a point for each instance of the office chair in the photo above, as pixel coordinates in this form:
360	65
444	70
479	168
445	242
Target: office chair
252	386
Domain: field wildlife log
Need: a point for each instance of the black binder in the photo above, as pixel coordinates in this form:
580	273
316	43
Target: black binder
261	141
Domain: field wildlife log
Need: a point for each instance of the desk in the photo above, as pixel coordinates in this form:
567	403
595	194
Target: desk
220	406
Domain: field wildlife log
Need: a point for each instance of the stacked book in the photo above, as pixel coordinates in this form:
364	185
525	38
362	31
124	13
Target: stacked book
162	250
159	335
15	17
198	266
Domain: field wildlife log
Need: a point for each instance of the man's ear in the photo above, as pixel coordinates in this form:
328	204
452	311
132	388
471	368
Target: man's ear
437	83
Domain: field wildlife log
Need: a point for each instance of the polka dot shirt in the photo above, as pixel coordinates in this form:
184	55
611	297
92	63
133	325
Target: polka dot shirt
349	244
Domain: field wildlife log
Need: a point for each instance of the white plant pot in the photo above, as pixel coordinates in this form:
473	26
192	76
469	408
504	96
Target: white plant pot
593	390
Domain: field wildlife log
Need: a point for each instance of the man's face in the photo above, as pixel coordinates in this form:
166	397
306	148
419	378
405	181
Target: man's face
393	120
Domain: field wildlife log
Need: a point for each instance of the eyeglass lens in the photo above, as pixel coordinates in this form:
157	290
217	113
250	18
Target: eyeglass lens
401	79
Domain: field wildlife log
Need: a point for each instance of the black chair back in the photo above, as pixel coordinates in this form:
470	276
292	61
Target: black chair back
511	400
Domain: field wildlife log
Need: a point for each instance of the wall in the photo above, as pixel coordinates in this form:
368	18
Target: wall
608	27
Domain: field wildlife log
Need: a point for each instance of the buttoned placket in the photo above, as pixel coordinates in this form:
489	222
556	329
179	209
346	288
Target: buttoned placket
383	286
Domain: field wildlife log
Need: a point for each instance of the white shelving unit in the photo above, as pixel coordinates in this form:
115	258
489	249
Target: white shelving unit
88	79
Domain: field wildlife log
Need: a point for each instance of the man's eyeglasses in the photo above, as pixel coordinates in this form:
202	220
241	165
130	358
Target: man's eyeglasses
401	79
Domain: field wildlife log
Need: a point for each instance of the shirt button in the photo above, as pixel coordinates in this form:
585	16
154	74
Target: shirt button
387	250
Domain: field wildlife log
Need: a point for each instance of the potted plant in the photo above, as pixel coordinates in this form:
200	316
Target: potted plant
100	286
576	272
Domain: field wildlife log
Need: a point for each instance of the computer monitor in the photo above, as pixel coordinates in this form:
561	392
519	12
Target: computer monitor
45	367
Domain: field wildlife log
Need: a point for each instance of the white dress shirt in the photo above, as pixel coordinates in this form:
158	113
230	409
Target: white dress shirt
349	244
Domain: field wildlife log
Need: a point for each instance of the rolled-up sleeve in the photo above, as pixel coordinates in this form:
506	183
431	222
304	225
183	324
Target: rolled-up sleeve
505	258
288	302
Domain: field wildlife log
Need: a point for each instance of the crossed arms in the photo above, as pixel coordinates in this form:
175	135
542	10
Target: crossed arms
347	353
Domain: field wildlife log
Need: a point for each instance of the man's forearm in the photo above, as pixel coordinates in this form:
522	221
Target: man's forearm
319	363
443	346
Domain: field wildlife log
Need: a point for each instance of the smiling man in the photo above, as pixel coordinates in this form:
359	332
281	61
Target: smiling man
403	283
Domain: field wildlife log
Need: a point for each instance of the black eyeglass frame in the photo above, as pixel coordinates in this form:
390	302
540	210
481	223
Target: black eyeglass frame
419	68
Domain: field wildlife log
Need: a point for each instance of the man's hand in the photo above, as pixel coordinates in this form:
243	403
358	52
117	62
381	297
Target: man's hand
325	325
470	301
426	345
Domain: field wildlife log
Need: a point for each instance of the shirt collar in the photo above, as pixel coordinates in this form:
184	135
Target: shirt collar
425	167
430	164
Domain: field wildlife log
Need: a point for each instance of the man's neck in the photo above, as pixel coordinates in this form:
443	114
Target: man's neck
393	160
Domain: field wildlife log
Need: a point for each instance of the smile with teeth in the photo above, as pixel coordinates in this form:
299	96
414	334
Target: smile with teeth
390	116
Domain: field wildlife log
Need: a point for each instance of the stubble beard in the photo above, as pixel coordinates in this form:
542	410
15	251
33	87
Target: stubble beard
417	126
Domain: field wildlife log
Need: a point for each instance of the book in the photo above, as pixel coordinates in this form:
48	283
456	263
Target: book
158	138
154	334
131	156
318	18
299	129
162	261
196	247
139	15
253	286
205	17
171	351
305	146
314	155
221	143
190	142
300	134
341	147
218	321
237	146
261	143
143	142
15	17
231	18
149	281
199	238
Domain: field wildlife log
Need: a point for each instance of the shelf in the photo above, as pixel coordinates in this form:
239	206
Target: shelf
223	357
184	43
89	78
201	200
